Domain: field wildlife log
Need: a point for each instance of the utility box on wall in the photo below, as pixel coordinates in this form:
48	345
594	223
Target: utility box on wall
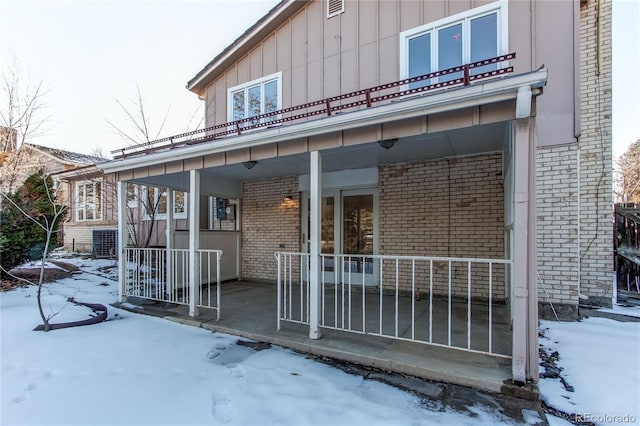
221	208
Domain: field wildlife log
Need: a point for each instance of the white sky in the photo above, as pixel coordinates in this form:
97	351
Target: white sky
92	52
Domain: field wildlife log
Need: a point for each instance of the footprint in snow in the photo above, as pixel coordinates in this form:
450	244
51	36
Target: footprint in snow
221	407
235	371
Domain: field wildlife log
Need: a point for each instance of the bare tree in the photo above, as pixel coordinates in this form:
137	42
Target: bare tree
139	128
146	201
22	117
49	224
627	182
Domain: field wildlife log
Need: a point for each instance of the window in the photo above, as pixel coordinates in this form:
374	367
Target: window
254	98
88	196
156	198
476	34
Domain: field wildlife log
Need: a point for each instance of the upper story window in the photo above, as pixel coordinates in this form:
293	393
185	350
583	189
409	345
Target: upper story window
155	199
476	34
255	97
89	200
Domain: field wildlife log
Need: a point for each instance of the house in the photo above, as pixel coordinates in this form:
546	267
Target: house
91	223
18	163
406	169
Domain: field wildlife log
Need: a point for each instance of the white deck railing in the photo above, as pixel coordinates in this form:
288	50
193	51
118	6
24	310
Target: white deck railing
163	275
443	301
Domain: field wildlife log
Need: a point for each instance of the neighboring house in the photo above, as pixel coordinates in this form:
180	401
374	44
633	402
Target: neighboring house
359	164
17	164
91	221
91	225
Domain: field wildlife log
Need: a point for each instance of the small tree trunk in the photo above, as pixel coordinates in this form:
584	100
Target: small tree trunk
45	252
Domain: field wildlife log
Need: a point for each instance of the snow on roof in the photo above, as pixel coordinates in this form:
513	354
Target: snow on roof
67	156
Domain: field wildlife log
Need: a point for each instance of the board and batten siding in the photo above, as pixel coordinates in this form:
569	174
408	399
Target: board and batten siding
321	57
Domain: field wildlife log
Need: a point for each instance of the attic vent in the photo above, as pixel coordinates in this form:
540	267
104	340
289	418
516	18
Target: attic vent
334	7
104	242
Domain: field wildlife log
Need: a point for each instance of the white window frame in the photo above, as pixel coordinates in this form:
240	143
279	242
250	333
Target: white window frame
246	86
158	193
81	205
499	7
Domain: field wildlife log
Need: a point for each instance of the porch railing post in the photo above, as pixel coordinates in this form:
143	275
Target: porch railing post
194	240
315	225
169	246
279	291
122	239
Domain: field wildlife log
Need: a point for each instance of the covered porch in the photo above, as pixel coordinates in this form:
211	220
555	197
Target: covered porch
250	312
405	230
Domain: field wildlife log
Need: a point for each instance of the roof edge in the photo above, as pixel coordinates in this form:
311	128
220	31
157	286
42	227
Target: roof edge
444	101
279	12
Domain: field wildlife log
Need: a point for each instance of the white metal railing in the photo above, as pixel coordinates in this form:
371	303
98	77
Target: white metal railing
209	266
163	275
293	287
443	301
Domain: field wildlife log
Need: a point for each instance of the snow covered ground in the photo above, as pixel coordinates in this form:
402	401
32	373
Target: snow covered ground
600	359
139	370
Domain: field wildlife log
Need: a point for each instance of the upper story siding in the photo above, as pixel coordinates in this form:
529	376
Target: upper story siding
321	57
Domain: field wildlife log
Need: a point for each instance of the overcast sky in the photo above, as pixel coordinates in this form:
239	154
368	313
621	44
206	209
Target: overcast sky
90	53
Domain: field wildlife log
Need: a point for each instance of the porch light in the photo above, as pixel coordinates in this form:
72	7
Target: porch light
289	197
388	143
249	164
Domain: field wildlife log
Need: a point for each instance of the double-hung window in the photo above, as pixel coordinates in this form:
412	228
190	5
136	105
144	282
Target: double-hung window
88	201
254	98
155	199
471	36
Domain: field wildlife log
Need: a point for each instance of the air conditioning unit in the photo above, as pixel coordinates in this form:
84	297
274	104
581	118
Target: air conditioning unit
105	243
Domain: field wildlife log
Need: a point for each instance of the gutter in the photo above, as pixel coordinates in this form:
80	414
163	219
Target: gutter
446	100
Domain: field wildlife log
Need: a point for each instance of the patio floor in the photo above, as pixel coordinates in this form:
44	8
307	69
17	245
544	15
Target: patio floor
249	310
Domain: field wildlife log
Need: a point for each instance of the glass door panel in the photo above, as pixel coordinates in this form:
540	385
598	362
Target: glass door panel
358	232
327	235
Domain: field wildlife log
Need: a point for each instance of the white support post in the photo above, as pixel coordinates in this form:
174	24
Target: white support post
315	237
520	277
122	239
169	245
533	368
194	241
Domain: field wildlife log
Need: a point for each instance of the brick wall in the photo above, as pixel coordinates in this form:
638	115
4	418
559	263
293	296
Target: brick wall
445	208
566	218
557	222
269	224
596	235
559	215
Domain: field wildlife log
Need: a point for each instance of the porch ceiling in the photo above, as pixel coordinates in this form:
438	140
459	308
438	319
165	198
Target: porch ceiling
451	143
